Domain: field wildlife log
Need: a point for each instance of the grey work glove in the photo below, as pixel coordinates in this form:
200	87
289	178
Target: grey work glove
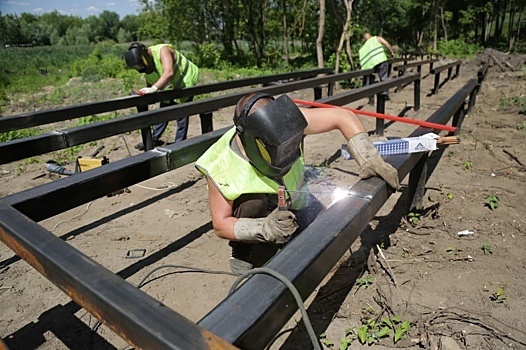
276	228
371	163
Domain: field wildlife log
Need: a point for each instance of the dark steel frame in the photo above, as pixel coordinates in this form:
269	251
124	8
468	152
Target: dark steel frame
402	68
32	119
436	71
249	317
56	140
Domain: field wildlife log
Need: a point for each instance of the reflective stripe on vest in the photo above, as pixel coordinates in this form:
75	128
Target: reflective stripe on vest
234	176
372	53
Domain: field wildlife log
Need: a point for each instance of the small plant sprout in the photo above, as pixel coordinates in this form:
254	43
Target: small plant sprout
467	165
413	218
454	250
449	196
365	281
492	202
373	331
486	247
327	342
500	295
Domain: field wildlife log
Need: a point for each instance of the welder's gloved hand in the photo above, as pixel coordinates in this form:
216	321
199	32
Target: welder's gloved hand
148	90
276	228
371	163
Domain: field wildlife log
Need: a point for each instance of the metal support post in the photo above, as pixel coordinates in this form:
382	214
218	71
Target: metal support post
317	93
417	185
458	118
146	133
437	83
417	95
371	81
380	108
457	71
449	71
330	89
207	124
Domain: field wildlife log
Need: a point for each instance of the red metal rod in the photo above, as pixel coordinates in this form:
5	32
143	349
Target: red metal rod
378	115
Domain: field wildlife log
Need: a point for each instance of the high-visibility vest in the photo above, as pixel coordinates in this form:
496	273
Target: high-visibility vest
233	175
372	53
185	72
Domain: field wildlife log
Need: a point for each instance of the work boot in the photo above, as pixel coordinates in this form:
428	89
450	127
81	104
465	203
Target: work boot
157	143
241	257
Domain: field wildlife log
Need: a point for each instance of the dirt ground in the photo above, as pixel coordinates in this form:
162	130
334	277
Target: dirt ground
457	292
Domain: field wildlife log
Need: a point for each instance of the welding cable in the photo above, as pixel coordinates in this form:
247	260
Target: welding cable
293	290
74	217
260	270
167	186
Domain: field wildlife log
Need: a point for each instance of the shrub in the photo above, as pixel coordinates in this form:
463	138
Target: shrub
458	48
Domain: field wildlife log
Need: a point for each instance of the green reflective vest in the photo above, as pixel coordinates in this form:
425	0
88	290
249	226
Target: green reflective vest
234	176
372	53
185	72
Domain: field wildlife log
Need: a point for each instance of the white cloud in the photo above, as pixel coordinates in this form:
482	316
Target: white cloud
39	9
110	4
18	3
64	13
92	9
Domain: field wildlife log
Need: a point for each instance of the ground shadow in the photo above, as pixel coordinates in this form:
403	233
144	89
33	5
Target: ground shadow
111	217
61	321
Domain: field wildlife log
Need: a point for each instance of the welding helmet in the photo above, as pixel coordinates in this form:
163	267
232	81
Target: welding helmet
137	57
271	135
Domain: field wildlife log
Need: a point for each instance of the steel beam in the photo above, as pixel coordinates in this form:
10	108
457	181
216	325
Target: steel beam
28	120
56	140
44	201
252	315
132	314
41	202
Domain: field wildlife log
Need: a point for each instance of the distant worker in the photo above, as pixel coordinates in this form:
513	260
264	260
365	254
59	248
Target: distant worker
164	68
264	150
372	55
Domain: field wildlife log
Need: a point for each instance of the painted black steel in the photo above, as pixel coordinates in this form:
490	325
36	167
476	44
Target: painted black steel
414	64
445	66
28	120
251	316
41	202
56	140
128	311
437	70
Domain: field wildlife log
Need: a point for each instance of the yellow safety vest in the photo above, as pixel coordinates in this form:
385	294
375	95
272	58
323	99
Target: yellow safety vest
185	72
234	176
372	53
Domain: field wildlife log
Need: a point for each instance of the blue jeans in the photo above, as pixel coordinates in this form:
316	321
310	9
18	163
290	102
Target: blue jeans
182	125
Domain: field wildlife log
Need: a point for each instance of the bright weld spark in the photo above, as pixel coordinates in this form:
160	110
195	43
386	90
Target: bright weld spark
339	194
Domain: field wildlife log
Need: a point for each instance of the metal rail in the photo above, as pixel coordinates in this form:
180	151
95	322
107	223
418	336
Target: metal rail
32	119
53	141
436	71
255	312
132	314
41	202
402	68
251	316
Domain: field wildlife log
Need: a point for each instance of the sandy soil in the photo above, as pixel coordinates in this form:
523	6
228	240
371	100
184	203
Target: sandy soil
443	284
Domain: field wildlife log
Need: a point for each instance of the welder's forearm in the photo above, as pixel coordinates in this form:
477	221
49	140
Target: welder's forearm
164	80
224	228
327	119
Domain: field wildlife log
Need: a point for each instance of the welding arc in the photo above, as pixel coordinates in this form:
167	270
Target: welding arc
379	115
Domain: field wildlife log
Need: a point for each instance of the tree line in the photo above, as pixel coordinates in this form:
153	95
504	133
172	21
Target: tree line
255	32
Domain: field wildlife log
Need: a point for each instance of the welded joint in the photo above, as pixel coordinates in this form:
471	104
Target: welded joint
166	153
64	136
360	195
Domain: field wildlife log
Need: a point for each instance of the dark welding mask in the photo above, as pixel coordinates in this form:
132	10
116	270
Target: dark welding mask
272	135
137	57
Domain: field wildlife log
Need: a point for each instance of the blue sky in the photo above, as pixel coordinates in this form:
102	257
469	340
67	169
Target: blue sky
80	8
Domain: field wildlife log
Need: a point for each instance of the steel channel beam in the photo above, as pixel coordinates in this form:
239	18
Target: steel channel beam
56	140
47	200
252	315
129	312
366	91
446	66
27	120
42	202
414	64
